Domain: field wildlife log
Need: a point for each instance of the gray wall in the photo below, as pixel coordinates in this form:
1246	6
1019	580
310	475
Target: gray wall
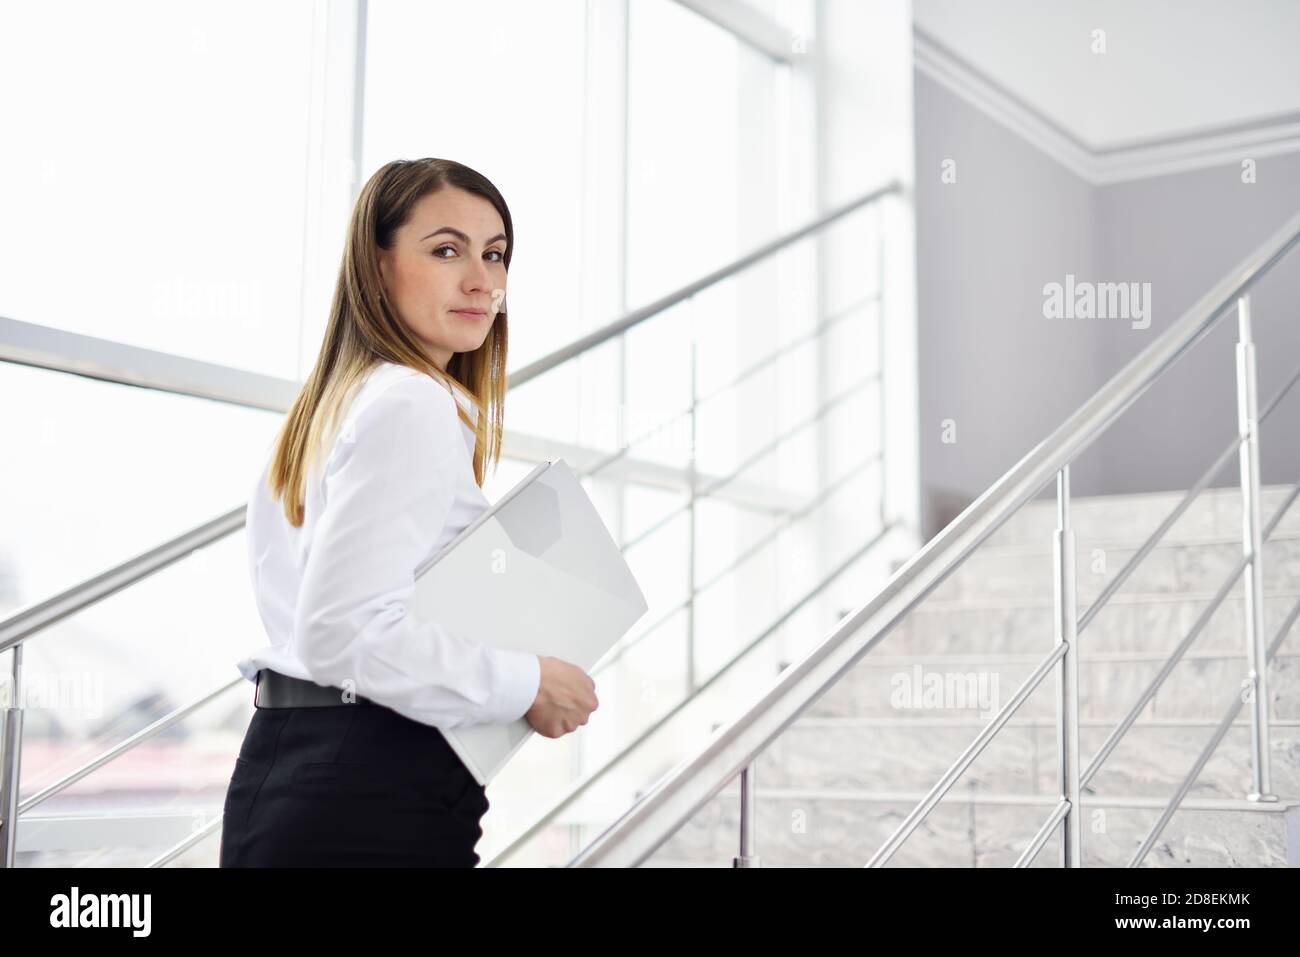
1182	233
1016	220
986	244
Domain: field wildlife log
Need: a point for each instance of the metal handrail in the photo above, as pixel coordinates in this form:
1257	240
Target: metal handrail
1113	739
172	717
1129	719
959	766
1198	765
1157	535
178	714
181	847
766	449
25	622
622	647
637	316
1181	648
1040	838
1229	716
1184	503
973	751
649	822
579	787
1036	844
736	380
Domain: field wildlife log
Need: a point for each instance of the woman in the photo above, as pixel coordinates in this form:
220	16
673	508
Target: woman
379	464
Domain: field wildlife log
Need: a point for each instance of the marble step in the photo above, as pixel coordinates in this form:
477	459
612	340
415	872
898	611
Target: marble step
1018	571
812	827
1127	623
1215	512
912	754
1201	685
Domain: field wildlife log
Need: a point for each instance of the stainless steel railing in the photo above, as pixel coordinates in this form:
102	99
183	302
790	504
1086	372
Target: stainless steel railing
670	803
39	347
582	786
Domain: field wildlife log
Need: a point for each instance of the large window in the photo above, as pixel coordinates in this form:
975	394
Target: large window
178	178
498	86
151	184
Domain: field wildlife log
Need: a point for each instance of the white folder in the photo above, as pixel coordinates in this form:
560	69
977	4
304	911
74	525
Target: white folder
537	572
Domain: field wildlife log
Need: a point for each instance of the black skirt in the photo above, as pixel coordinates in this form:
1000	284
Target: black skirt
349	786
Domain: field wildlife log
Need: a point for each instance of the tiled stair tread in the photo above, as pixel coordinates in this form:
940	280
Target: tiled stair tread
670	862
1032	658
1023	663
1046	801
1151	759
1027	627
932	605
1200	686
1018	766
963	721
1166	569
1132	541
1105	676
729	796
837	832
1214	511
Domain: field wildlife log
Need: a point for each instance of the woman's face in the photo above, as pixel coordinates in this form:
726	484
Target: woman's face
446	272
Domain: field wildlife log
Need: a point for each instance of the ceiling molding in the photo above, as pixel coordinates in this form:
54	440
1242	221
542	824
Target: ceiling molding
1158	156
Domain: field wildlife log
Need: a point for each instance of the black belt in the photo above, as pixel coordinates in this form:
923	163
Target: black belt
277	690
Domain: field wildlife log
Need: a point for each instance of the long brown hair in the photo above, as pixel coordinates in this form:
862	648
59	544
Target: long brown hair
364	331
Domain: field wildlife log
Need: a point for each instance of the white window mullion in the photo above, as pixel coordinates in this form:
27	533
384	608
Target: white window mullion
331	175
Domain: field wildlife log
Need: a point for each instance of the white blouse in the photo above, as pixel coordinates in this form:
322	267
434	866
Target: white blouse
396	486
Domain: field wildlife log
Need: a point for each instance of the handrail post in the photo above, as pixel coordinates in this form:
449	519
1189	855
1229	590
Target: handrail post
11	741
881	365
1067	676
1253	549
746	857
691	473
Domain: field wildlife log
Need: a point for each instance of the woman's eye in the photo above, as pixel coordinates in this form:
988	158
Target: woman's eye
490	252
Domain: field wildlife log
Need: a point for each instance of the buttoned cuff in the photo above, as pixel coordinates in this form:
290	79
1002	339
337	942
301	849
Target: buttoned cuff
518	677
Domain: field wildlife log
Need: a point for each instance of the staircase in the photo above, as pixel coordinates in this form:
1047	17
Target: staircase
841	778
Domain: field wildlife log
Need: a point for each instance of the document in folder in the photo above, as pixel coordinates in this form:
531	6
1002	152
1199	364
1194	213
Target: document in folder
537	572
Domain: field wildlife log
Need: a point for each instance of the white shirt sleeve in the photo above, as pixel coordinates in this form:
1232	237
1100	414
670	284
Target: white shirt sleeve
388	490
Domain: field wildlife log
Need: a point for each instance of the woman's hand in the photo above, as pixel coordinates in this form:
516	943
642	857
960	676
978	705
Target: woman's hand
566	697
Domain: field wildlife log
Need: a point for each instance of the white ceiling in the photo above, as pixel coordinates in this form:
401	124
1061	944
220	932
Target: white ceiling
1171	67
